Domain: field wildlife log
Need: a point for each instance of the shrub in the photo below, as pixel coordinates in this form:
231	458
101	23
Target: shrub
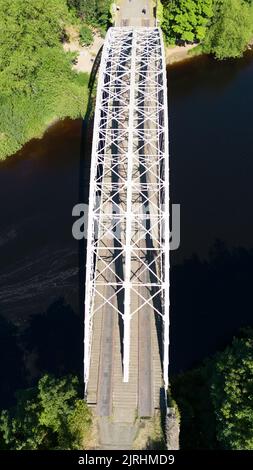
49	416
86	37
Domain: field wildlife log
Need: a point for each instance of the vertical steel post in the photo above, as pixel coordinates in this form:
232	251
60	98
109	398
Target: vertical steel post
128	218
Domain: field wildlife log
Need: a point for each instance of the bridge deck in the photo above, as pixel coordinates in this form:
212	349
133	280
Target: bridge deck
131	13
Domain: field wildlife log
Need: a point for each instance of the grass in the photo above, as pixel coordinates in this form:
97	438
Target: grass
150	435
24	118
196	51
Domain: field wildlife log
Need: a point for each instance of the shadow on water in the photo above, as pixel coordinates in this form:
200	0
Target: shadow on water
54	339
12	370
210	301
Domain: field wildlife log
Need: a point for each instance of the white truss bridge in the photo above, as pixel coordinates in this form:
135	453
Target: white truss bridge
127	270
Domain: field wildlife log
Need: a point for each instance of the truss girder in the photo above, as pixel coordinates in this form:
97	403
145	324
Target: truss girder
128	226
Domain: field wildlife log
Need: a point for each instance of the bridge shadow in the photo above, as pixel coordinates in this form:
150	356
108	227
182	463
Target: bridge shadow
84	172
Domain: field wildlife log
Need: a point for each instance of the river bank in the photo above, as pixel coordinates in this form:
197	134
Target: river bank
175	54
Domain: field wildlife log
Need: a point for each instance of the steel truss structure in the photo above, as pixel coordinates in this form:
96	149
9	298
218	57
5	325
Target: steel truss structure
128	227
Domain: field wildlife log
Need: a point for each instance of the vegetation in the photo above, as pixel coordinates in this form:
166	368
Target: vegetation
86	37
222	27
93	12
232	393
25	357
37	84
216	400
186	20
231	29
159	11
48	416
150	435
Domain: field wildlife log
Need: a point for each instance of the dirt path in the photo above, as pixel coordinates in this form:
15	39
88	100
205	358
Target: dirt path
86	55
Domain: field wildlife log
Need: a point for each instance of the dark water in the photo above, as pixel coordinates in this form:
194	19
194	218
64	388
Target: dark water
39	260
211	119
211	142
211	161
38	189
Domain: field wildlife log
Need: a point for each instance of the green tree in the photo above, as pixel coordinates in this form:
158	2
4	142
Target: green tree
186	20
103	12
94	12
20	427
26	27
230	30
232	393
216	400
49	416
37	83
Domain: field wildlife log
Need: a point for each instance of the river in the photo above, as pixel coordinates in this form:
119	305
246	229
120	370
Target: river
211	142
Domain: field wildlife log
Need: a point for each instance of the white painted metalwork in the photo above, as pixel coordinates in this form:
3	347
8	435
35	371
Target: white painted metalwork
128	228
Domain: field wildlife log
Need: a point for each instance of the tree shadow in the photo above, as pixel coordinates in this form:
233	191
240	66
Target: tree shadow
210	301
55	339
12	370
197	415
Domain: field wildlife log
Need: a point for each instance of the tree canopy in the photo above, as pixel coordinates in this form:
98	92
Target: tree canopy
96	12
35	72
216	400
223	27
186	20
49	416
230	30
232	393
29	30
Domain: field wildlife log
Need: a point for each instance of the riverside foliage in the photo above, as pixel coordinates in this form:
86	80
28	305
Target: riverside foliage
186	20
94	12
48	416
222	27
231	29
37	83
216	400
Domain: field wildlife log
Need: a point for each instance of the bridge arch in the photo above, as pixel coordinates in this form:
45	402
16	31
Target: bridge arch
127	270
